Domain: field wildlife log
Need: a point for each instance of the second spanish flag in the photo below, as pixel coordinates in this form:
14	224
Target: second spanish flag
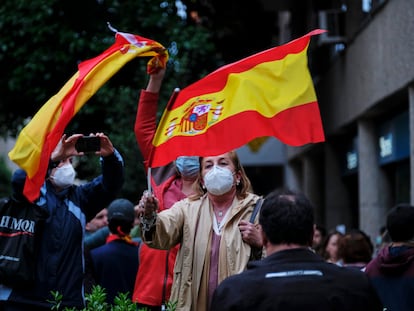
268	94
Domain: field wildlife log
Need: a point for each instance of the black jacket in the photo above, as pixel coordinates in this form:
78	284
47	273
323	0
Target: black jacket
115	266
296	279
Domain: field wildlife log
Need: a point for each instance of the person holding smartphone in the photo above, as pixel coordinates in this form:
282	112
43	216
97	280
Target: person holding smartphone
170	184
60	261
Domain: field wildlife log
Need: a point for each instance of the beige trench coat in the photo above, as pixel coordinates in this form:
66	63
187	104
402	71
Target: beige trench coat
190	223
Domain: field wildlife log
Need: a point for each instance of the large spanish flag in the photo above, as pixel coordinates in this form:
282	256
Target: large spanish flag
268	94
40	136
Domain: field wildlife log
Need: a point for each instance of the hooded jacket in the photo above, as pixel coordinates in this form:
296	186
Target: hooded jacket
60	265
392	274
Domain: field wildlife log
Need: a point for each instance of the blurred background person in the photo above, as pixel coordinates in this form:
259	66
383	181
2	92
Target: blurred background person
330	247
96	231
392	270
319	235
382	239
355	249
115	264
99	221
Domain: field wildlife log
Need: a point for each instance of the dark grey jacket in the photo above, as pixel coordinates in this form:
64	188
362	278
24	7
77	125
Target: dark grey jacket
296	279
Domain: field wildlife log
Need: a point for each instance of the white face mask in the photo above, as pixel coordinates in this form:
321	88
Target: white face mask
64	176
218	180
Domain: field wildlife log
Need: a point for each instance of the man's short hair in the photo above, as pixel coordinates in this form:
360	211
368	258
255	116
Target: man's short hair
400	222
287	217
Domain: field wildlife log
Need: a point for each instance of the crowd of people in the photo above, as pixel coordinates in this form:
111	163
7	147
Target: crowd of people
192	239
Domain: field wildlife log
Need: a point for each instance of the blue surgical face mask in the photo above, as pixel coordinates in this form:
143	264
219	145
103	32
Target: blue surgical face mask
188	166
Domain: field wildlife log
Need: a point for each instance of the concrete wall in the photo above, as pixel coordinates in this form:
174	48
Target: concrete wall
372	77
377	63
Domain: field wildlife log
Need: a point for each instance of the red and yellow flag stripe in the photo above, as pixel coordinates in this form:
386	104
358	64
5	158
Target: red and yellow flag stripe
268	94
40	136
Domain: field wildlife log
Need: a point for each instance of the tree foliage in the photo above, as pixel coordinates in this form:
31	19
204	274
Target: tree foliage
44	40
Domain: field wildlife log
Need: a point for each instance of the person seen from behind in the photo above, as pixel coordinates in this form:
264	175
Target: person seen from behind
292	277
355	249
115	264
392	270
170	184
217	240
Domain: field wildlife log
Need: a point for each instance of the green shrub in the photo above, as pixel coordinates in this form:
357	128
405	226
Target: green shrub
95	301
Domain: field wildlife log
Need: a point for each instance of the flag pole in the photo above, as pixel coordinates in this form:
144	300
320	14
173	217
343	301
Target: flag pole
170	103
173	97
149	180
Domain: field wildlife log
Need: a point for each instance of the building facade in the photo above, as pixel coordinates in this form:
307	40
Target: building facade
364	78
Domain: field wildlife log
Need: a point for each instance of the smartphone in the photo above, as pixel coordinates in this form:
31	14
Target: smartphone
88	144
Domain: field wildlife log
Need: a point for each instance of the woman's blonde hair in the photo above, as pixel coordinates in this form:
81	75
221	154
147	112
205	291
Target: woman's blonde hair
242	189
